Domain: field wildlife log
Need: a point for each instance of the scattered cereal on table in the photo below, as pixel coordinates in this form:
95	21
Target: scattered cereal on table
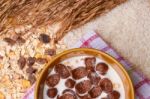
2	95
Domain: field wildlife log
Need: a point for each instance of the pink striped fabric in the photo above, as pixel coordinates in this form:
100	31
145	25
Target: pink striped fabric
93	40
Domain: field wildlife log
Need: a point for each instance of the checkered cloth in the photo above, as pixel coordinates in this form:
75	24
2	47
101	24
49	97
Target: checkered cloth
93	40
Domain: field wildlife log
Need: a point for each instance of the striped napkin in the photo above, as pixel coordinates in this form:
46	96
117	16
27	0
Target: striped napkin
93	40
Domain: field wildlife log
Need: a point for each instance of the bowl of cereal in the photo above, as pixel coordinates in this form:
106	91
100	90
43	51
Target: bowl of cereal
84	74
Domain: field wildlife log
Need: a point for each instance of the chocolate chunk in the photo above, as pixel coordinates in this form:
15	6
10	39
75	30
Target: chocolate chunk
9	41
22	62
90	63
50	52
113	95
70	83
32	79
94	78
44	38
30	70
87	96
106	85
95	91
67	96
62	70
79	73
31	61
83	86
52	92
102	68
41	60
53	80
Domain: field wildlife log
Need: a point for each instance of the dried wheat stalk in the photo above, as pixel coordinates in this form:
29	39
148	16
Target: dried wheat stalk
71	13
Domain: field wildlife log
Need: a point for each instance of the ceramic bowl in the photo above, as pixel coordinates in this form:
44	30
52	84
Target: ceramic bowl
128	87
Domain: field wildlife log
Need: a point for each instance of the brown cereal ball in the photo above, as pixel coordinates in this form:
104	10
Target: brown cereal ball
113	95
51	93
104	98
32	78
95	91
83	86
41	60
31	61
90	63
106	85
62	70
94	78
70	83
87	96
44	38
50	52
22	62
66	96
102	68
31	70
79	73
53	80
69	91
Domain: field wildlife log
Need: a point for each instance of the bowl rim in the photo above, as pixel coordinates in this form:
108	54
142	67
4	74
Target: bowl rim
84	49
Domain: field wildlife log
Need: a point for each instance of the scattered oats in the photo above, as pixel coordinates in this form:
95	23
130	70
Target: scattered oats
14	81
27	27
11	54
58	46
26	84
38	55
1	66
17	30
22	29
2	95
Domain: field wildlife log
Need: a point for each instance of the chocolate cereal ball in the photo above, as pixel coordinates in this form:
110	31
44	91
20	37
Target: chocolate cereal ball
66	96
95	91
70	83
113	95
62	70
53	80
106	85
51	93
102	68
79	73
31	61
44	38
90	63
69	91
87	96
94	78
83	86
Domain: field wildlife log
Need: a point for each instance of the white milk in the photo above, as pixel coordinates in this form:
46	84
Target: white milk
77	61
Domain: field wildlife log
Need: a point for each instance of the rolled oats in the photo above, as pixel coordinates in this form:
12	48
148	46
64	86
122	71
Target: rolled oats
2	95
26	84
14	78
